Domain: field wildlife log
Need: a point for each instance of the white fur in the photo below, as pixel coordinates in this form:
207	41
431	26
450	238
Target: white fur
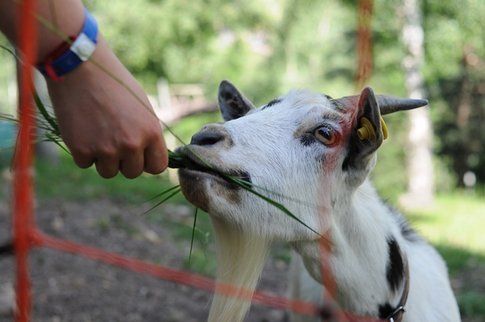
326	198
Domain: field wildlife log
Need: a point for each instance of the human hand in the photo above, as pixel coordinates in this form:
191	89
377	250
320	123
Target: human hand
101	122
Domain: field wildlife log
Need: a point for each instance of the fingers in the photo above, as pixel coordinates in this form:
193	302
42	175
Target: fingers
129	158
156	159
83	160
132	165
108	166
153	160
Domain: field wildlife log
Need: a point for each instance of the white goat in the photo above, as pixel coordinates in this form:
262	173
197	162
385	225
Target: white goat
309	153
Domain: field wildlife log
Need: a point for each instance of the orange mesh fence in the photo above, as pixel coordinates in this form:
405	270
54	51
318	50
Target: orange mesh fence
27	235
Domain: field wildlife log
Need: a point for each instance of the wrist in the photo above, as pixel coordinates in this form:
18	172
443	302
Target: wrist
73	52
66	16
87	71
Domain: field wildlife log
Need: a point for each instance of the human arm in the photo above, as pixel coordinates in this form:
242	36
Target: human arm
100	120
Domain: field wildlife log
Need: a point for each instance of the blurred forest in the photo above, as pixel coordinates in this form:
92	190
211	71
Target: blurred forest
267	47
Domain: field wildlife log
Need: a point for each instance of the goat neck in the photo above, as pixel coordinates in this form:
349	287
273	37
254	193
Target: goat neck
361	231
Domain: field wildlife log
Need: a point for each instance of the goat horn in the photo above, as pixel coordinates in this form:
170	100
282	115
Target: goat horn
389	104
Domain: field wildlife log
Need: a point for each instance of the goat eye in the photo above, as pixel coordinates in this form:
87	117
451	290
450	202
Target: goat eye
326	135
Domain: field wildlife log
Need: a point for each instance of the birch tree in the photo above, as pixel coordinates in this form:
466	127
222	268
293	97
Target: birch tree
420	188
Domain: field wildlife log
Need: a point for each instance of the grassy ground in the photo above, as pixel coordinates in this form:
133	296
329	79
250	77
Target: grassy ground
455	227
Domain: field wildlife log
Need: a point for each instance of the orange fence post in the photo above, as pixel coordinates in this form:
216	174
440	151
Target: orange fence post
23	170
364	43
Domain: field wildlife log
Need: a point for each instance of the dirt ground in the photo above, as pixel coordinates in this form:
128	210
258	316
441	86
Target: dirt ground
71	288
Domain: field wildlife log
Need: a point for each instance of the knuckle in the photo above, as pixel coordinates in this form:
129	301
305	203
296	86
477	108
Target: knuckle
131	145
106	151
157	165
154	132
153	137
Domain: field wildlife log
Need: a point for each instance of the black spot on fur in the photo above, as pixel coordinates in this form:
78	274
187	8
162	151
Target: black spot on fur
395	267
328	97
271	103
385	310
307	139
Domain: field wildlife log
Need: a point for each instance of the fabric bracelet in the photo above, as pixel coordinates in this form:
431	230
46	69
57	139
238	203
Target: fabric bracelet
69	55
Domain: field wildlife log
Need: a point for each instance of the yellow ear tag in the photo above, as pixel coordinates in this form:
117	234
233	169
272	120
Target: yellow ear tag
385	132
366	130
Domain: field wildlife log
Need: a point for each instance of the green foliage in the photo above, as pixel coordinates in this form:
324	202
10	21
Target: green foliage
455	227
471	304
454	220
454	71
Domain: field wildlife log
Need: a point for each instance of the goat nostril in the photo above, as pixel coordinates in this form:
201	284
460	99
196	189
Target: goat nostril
206	138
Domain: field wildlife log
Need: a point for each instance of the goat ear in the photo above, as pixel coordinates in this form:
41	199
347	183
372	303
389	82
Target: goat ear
232	103
367	133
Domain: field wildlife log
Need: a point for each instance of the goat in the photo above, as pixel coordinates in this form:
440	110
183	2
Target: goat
319	151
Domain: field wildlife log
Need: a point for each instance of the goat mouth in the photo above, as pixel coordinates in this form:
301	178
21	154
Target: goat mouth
189	163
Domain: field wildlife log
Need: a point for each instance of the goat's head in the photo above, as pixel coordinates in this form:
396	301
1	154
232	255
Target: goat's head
301	149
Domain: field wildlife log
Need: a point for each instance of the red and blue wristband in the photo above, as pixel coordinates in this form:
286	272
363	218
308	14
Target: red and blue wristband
69	55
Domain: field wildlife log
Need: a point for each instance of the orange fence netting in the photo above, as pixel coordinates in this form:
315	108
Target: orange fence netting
27	235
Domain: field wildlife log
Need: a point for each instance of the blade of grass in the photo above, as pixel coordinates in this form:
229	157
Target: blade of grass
10	51
277	194
50	120
162	201
57	141
248	186
164	192
273	203
8	117
193	234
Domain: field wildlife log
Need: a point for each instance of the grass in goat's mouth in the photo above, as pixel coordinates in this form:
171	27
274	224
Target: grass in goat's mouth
184	158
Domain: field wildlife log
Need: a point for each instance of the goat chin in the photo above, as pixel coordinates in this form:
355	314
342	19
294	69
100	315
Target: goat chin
240	261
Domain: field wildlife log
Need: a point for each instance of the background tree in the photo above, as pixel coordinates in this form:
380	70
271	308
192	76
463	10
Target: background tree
420	186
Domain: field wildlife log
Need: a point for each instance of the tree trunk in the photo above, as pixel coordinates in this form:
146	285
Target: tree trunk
419	156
